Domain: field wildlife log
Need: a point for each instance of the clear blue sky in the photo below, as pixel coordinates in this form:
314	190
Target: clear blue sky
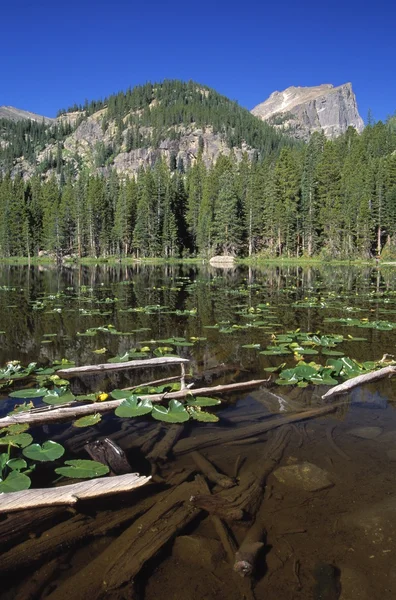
57	53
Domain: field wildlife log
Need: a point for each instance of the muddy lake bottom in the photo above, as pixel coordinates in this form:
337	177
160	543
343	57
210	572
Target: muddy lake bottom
328	505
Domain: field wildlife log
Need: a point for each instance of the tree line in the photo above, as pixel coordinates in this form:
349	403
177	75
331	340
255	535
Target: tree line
329	198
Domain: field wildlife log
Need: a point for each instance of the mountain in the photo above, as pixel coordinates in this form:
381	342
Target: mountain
127	131
16	114
299	111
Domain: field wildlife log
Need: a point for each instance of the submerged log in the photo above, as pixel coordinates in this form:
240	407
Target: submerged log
347	386
114	569
210	471
220	437
71	494
162	448
121	366
246	556
247	496
41	416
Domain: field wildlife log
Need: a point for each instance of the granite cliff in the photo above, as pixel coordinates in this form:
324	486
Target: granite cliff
299	111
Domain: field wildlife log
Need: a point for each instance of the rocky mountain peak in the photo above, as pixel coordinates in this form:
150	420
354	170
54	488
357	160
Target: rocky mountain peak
16	114
300	111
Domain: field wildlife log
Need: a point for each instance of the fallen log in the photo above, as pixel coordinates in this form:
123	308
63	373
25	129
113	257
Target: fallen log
210	472
347	386
152	383
115	568
121	366
41	416
70	494
221	437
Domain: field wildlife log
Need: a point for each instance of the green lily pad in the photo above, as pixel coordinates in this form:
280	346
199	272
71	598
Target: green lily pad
132	407
15	482
29	393
175	413
21	440
16	464
88	421
119	394
203	416
332	353
203	401
47	452
82	469
58	396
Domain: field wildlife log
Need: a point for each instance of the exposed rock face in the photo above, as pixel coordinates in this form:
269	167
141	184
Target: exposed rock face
302	110
16	114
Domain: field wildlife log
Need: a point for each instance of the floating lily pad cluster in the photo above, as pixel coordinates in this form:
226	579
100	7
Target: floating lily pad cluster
363	323
304	373
175	412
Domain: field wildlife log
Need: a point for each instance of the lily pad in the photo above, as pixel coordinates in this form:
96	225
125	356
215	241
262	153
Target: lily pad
47	452
20	440
82	469
88	421
29	393
15	482
203	416
134	407
203	401
175	413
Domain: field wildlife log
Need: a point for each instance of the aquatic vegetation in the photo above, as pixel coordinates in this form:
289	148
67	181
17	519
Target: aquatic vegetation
82	469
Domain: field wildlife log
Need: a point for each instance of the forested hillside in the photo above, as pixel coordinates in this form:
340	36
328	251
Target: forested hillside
336	199
172	120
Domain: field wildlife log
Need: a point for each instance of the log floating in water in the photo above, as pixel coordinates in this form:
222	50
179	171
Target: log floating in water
70	494
113	570
58	415
347	386
121	366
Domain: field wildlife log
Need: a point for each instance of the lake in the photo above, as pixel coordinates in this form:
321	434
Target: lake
326	504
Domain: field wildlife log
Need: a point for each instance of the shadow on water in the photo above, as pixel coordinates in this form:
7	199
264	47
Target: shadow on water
328	503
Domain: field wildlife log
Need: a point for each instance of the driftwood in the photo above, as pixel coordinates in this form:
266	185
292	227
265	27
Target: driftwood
41	416
121	366
70	494
220	437
114	569
108	453
245	499
347	386
210	471
246	556
162	448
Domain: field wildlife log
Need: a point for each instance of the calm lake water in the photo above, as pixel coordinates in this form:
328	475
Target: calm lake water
335	542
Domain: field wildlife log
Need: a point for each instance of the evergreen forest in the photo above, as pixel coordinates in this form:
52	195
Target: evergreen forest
333	199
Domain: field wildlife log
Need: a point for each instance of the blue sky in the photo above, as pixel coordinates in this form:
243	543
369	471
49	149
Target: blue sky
58	53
